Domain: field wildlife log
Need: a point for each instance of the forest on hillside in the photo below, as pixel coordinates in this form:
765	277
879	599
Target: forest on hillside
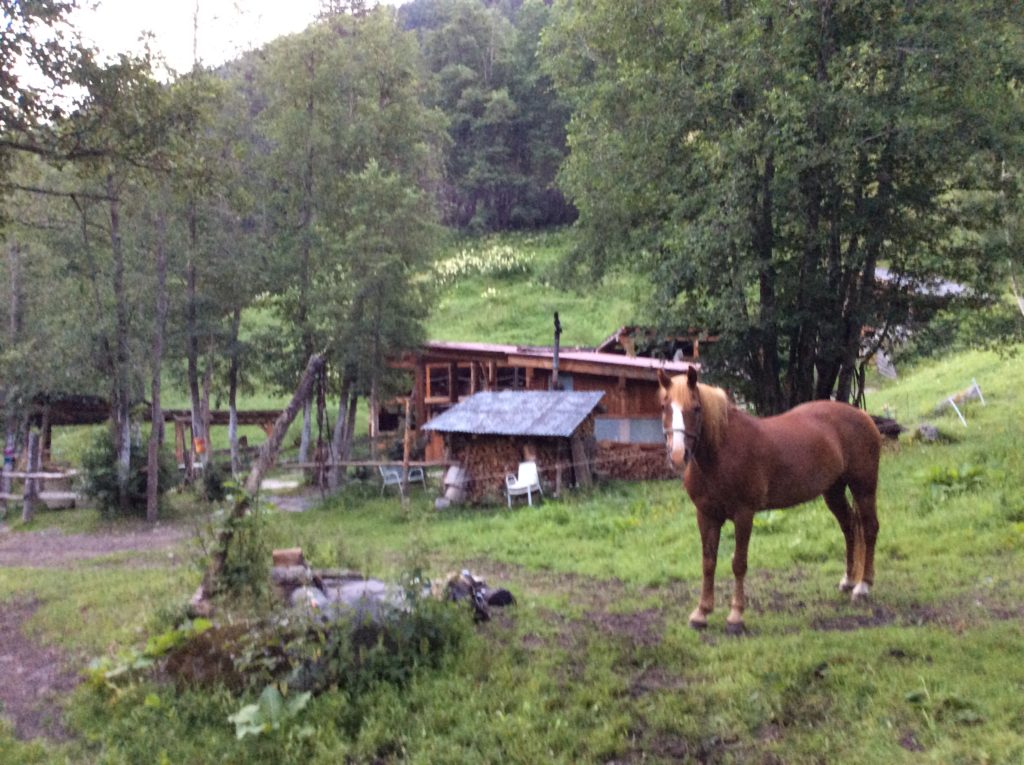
756	164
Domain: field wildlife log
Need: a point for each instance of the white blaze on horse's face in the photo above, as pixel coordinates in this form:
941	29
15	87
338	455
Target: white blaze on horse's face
678	435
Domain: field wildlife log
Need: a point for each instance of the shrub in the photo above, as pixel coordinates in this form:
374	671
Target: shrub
246	572
99	469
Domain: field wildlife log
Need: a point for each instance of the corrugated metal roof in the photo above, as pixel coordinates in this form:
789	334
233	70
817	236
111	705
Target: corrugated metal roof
518	413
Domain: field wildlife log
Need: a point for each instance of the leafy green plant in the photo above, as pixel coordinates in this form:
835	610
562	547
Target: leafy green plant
270	712
246	571
945	482
99	469
112	673
215	484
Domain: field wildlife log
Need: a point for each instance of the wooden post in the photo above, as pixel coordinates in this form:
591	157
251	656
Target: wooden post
374	419
31	484
406	448
559	454
453	382
5	489
420	394
554	362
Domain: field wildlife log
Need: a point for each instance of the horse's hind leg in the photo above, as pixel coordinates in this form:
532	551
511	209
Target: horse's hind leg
867	513
836	500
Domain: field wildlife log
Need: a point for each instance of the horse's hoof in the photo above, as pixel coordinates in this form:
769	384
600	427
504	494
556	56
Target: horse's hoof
735	629
845	585
861	592
698	625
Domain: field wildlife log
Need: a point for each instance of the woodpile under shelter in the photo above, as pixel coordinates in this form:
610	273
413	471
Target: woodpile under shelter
627	425
489	433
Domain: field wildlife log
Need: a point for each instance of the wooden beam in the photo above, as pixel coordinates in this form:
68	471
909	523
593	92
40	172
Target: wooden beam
580	463
419	393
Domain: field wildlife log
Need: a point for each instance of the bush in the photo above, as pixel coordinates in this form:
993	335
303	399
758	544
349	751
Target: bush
99	469
215	486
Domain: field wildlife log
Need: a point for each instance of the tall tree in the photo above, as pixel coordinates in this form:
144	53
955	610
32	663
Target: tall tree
760	161
343	113
507	125
128	125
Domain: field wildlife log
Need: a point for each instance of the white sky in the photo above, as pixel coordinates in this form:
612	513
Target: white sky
225	27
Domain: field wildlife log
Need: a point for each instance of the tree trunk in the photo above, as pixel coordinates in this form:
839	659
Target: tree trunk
268	452
350	428
121	414
13	338
766	361
192	334
236	323
16	304
31	497
307	428
157	416
337	472
207	416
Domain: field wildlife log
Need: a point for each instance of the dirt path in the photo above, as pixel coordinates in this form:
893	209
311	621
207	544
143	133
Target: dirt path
35	677
50	548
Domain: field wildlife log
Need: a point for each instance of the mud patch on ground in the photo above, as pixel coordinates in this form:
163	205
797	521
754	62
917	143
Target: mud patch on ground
35	677
654	679
640	629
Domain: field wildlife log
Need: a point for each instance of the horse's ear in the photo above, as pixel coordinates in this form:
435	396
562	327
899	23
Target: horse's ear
664	380
691	377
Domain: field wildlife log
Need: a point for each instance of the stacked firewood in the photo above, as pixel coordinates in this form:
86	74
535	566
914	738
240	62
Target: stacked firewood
488	459
633	462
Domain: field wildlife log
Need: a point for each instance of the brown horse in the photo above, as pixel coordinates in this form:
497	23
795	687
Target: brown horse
736	465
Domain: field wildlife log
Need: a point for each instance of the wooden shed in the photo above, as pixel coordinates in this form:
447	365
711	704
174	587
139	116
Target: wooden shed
627	426
489	433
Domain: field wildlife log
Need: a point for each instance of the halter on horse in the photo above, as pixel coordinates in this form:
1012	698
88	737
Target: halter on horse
736	465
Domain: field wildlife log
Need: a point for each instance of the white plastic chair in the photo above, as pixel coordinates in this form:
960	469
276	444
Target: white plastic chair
391	475
527	482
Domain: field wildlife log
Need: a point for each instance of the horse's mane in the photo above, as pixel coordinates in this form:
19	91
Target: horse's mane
715	408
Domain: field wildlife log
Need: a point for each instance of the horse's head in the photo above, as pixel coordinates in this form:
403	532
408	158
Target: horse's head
682	415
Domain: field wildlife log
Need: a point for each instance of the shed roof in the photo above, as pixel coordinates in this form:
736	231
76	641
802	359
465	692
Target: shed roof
518	413
571	359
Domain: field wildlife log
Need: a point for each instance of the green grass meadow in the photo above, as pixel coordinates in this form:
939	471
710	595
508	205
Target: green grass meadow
596	663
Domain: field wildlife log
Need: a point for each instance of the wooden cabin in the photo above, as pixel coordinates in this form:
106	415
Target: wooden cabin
627	425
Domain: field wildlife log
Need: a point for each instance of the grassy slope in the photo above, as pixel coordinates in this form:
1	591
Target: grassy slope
520	308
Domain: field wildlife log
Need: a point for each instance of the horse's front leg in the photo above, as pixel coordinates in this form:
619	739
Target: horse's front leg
710	531
743	522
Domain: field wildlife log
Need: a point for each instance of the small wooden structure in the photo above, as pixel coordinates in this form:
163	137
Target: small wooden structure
490	433
182	419
627	428
682	345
